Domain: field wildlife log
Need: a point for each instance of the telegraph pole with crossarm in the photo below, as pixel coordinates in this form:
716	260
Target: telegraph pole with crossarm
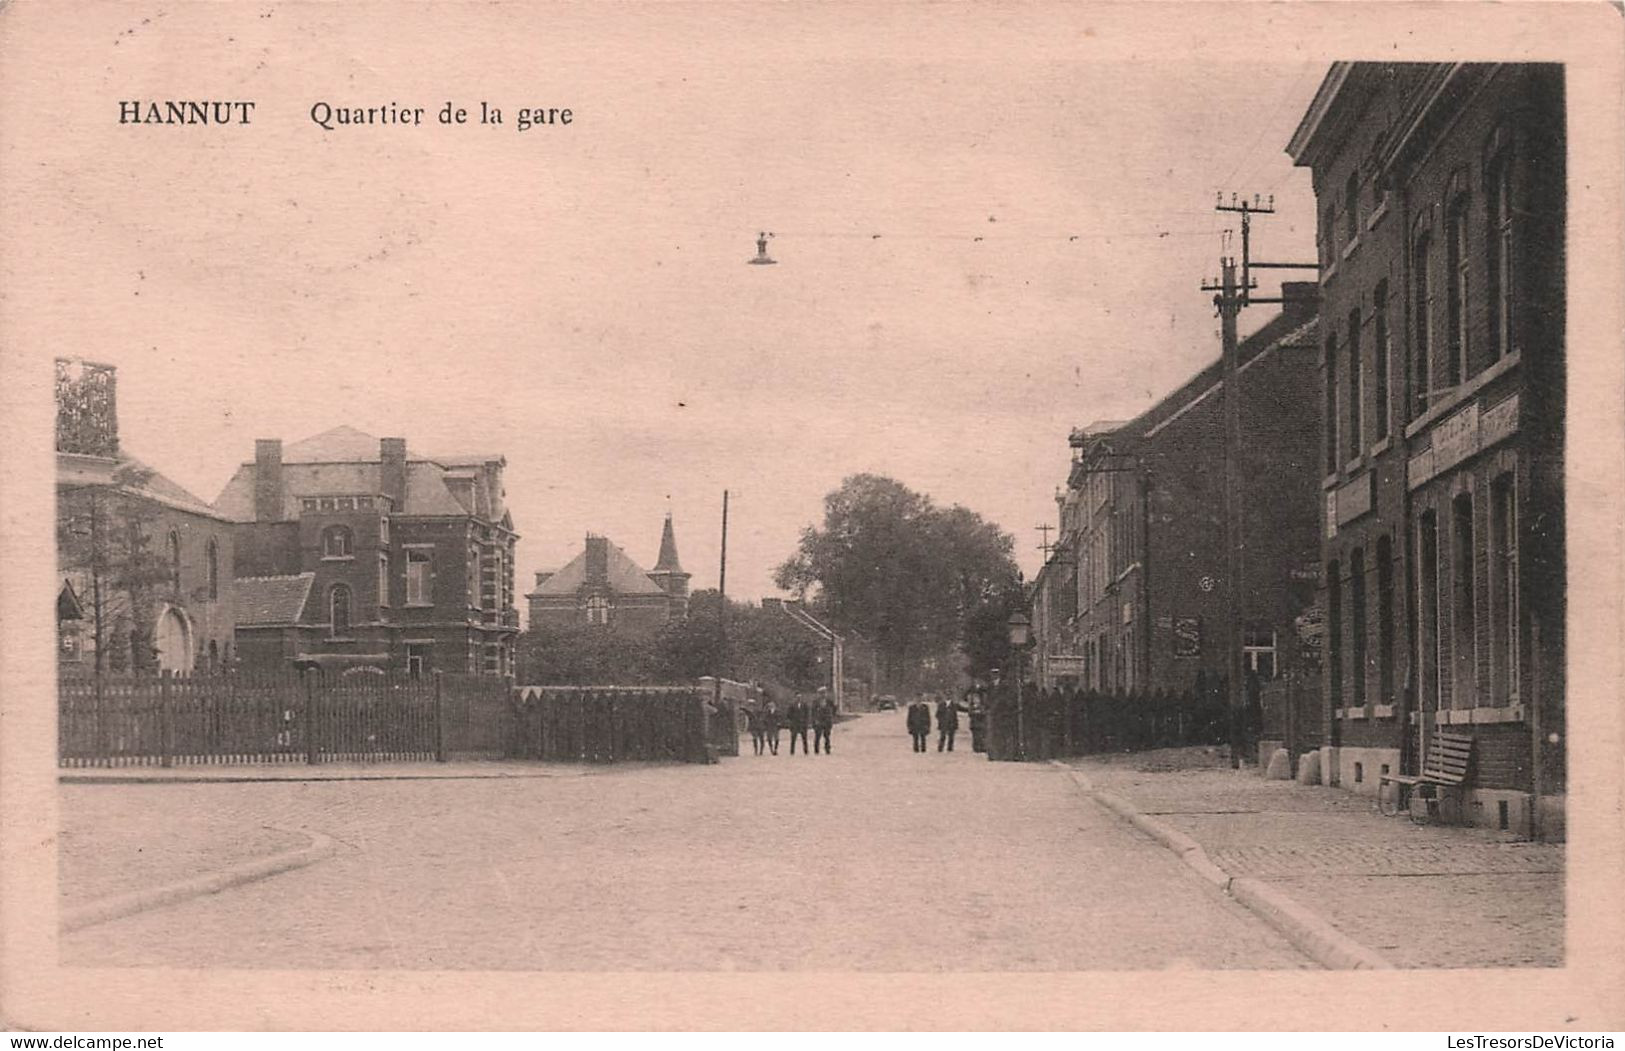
1234	293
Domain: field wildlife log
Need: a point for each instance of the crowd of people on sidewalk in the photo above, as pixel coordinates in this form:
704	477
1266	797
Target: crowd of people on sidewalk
767	722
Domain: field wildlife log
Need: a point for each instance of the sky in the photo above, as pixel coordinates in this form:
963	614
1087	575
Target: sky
977	251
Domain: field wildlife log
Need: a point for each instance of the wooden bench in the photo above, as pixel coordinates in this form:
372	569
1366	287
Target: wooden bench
1449	761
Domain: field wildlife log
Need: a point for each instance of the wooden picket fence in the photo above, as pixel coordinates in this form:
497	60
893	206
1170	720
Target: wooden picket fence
1052	724
616	724
311	717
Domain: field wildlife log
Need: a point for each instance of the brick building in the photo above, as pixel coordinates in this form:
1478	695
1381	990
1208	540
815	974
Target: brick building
602	585
1440	189
350	552
1135	595
145	565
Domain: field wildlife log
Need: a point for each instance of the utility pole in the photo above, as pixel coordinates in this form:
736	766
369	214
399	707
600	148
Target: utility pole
722	601
1234	292
1044	545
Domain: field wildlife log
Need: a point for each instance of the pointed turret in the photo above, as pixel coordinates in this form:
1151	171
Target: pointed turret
668	571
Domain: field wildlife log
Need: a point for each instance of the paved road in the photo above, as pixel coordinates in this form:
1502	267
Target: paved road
874	858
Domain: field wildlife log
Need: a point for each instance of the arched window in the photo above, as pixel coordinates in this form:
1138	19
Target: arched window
213	555
175	559
337	542
338	604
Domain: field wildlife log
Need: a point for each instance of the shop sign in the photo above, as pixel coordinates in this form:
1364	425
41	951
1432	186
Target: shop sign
1498	423
1354	499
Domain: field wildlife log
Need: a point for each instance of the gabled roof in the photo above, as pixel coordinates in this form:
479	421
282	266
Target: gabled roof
129	475
264	602
67	603
626	577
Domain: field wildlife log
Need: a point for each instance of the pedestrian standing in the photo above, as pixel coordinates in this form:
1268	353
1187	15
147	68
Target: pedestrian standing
770	726
798	717
947	723
753	722
919	723
823	720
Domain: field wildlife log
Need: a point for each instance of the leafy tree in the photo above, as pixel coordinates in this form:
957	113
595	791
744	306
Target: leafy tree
105	543
923	584
586	655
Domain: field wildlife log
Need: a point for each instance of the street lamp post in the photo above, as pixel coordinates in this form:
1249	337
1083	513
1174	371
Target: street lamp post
1020	633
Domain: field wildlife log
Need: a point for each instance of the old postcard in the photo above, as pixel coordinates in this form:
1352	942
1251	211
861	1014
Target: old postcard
811	516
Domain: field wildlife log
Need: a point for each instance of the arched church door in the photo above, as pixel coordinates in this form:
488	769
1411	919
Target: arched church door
174	641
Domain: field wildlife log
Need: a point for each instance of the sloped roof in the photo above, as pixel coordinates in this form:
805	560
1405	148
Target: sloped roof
272	601
626	577
130	475
426	492
340	445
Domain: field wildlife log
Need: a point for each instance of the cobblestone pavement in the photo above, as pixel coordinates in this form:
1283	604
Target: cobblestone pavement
874	859
1421	895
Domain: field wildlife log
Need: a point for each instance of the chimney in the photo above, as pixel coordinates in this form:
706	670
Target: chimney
268	480
392	471
597	560
1302	299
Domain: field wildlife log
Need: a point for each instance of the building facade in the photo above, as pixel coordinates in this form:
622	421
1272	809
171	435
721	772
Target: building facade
145	565
603	586
352	553
1135	596
1440	189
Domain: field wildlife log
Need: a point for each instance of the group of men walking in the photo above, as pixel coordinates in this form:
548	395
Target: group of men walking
919	723
766	722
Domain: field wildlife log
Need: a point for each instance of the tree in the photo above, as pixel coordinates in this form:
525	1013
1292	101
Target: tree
105	540
918	581
586	655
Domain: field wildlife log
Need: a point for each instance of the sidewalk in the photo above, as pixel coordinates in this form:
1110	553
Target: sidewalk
1418	895
410	770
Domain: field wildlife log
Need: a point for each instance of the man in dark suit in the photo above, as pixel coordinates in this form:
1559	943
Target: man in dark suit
919	723
947	723
770	726
796	717
823	720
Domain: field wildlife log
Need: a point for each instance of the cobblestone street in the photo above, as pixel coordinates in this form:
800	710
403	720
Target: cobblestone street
876	858
1420	895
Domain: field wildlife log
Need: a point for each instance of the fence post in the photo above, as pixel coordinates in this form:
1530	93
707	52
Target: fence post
165	727
308	716
439	717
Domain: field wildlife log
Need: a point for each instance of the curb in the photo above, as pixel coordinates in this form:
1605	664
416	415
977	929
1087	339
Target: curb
112	908
1309	933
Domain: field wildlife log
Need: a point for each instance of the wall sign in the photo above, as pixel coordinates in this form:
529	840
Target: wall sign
1462	435
1187	636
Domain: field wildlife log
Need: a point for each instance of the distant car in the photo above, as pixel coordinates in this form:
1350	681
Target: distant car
886	703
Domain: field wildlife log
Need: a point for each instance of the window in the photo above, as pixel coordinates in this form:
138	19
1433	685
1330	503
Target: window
1328	237
417	578
1427	559
175	560
1504	588
1357	635
417	659
1356	388
1330	415
338	606
598	610
1498	244
1455	366
1385	621
1463	633
1380	351
70	643
212	554
383	580
1334	632
337	542
1421	358
1258	652
1351	207
383	529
